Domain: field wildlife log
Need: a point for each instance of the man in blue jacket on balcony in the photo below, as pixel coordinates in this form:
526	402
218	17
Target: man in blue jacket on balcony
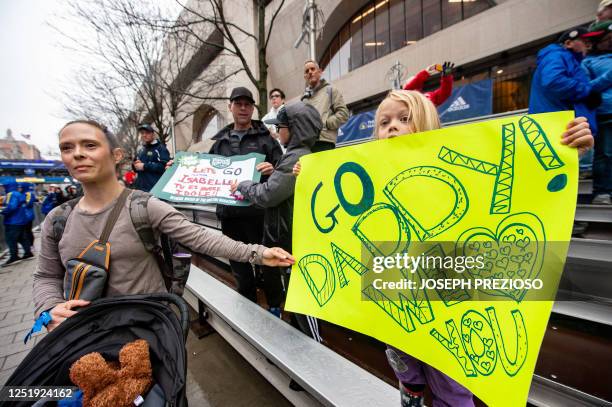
151	159
559	82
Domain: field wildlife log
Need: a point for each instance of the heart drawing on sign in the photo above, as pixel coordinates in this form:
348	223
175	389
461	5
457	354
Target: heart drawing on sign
514	251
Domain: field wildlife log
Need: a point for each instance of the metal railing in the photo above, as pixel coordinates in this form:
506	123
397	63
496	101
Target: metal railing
449	124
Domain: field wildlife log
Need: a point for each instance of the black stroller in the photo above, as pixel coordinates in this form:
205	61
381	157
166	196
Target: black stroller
105	326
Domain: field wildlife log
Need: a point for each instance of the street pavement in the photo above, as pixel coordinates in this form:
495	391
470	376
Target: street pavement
16	315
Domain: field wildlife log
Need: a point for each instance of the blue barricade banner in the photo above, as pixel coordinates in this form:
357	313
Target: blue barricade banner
358	127
467	101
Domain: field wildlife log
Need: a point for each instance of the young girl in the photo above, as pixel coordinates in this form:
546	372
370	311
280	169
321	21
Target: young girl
403	113
91	153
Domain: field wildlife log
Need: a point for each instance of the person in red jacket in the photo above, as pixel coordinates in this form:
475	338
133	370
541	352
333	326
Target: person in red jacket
439	95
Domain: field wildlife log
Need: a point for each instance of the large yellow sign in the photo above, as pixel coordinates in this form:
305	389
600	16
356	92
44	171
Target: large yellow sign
502	192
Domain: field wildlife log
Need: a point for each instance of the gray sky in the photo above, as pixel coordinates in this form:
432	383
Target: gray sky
35	69
32	71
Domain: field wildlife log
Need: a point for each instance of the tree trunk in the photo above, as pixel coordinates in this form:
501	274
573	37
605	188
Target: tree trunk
262	84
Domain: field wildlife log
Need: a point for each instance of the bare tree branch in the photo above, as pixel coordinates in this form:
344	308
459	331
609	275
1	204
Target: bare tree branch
272	20
148	65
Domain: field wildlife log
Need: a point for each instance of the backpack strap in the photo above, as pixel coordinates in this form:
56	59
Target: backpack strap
113	216
58	222
140	219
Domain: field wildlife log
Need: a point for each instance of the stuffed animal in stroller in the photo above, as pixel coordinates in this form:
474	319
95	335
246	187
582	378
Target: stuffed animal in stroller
112	384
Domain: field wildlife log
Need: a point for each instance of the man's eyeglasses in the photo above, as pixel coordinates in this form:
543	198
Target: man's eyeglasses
280	126
276	95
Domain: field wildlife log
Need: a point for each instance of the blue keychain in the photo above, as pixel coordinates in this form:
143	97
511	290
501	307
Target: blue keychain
43	320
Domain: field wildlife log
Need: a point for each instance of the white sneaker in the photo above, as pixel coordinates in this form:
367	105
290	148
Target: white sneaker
602	199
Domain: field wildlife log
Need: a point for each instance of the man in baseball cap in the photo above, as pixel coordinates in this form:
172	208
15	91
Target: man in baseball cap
151	159
573	39
242	93
145	127
246	223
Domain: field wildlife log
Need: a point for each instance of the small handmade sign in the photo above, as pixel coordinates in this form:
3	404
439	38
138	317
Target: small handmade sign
197	178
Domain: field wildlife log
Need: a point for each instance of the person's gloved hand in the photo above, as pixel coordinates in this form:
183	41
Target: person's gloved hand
447	68
593	100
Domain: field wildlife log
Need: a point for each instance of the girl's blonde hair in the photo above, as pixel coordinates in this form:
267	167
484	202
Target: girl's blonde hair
423	113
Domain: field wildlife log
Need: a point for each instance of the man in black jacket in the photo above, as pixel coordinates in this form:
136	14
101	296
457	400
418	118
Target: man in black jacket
151	159
245	224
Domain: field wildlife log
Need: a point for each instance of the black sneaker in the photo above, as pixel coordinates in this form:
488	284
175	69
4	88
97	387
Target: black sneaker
27	256
10	262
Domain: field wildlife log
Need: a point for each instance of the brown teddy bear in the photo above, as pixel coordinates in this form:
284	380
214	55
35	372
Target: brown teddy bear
112	384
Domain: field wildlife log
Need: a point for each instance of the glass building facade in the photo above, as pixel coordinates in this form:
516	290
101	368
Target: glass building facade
384	26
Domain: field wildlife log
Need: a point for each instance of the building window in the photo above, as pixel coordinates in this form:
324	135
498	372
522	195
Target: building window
334	63
369	36
471	8
356	56
383	26
432	16
382	29
452	12
414	21
397	27
512	84
345	50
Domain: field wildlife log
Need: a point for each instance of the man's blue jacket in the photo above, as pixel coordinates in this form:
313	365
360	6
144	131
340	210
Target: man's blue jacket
14	212
560	83
154	156
29	198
